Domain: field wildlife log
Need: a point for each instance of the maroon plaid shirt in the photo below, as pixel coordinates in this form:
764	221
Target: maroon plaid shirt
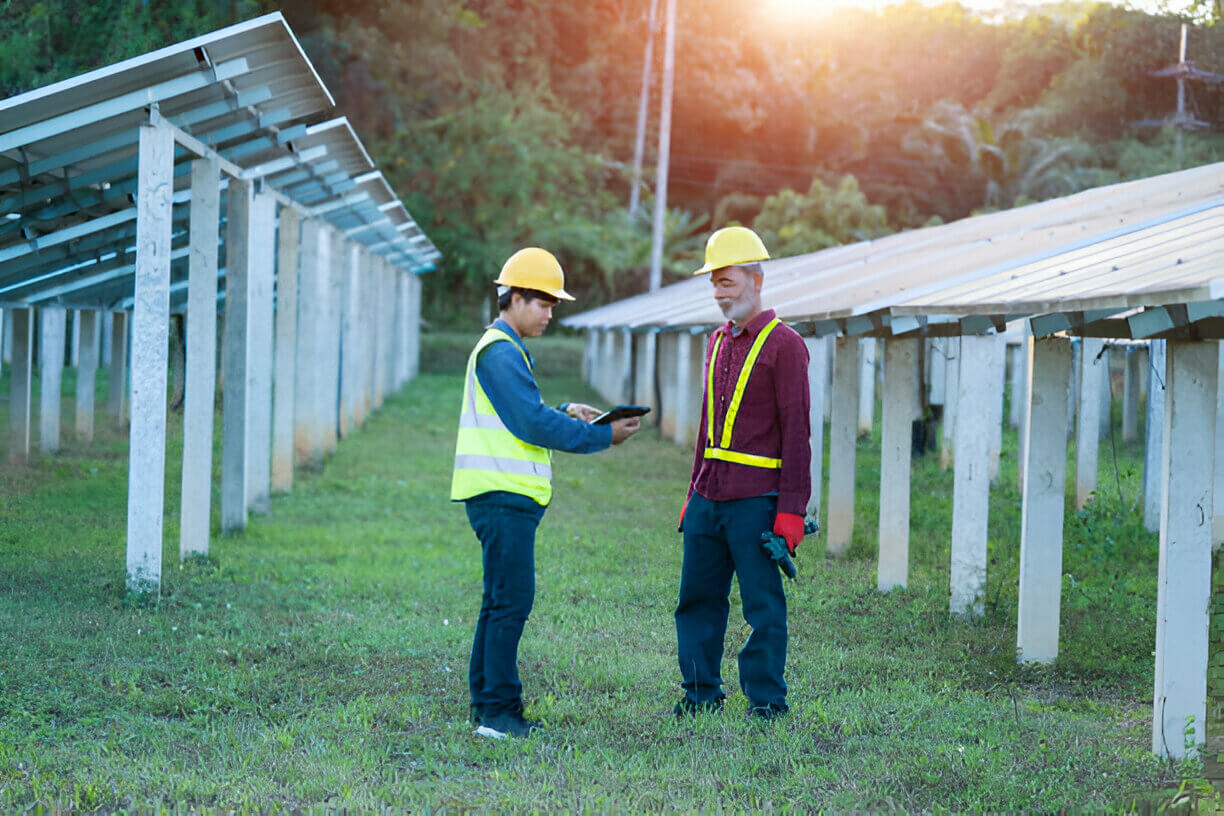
772	420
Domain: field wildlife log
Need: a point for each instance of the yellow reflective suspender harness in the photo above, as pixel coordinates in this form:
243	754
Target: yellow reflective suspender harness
723	450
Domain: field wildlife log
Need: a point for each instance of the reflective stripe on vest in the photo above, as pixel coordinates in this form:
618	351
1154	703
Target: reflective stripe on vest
488	456
723	450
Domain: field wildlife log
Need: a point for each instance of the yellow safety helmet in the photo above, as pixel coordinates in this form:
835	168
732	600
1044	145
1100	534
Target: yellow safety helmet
534	268
731	246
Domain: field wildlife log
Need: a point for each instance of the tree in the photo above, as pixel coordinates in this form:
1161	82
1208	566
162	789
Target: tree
793	223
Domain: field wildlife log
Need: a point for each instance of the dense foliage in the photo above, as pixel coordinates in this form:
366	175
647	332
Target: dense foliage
506	122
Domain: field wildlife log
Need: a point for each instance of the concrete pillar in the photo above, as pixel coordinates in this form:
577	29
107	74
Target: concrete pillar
1015	404
842	438
236	357
625	366
818	363
415	288
351	285
1183	589
1088	435
666	345
1217	515
1154	436
1105	395
87	374
261	322
52	332
1130	394
107	330
979	361
116	387
199	396
591	337
698	343
22	326
898	413
284	401
1026	356
687	387
644	365
74	353
996	383
607	366
947	428
936	375
1041	513
338	271
867	378
307	384
150	358
6	338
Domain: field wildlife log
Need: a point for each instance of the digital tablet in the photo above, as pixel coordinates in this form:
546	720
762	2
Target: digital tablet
621	412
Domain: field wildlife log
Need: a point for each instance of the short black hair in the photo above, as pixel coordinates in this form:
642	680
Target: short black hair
503	300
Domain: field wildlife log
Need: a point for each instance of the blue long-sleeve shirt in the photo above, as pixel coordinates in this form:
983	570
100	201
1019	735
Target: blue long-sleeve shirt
511	387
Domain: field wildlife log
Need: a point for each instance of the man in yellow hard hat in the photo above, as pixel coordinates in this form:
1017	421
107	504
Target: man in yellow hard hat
503	474
750	476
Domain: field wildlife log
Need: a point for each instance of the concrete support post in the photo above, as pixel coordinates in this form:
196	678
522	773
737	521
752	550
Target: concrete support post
74	354
818	363
199	398
971	476
1130	394
625	367
116	387
337	272
307	384
996	382
665	360
588	356
607	365
1183	589
644	365
1154	436
284	400
686	387
1041	513
415	288
108	320
236	357
6	338
947	428
1217	514
1105	395
1018	378
150	357
1026	357
21	359
898	413
935	378
350	356
867	379
1088	433
87	374
52	334
842	439
261	322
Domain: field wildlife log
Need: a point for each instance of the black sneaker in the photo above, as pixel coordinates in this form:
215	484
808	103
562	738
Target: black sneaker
506	724
687	708
767	713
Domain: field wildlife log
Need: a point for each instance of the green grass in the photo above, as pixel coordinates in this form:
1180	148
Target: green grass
319	659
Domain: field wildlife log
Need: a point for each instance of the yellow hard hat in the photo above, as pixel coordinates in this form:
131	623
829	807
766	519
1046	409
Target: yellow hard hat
731	246
534	268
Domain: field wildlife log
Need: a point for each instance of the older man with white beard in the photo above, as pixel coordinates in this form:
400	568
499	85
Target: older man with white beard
750	476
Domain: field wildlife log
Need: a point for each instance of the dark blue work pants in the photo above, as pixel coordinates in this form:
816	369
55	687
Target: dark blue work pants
721	539
506	525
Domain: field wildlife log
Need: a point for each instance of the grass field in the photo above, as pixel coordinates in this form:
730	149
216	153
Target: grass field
319	659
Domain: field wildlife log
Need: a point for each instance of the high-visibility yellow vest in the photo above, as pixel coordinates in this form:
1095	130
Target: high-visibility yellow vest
722	450
488	456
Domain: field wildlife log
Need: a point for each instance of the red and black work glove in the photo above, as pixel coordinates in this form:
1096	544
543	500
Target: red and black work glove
680	523
790	527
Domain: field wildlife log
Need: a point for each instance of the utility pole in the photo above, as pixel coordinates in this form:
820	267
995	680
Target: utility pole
639	147
665	105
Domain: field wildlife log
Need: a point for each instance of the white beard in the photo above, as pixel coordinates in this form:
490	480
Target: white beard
741	307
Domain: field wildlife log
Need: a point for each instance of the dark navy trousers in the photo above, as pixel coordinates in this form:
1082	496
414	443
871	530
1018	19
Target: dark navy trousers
721	539
506	525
